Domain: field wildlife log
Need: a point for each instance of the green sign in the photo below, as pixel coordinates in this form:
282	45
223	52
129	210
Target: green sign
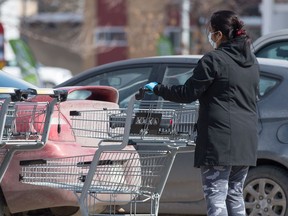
25	61
164	46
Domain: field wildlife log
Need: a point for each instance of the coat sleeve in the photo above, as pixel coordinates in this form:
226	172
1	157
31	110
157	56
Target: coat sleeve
203	75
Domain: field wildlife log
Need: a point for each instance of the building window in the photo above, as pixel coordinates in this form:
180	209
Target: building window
110	36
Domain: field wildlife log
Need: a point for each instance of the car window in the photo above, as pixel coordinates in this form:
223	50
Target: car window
266	85
177	75
277	50
126	80
79	95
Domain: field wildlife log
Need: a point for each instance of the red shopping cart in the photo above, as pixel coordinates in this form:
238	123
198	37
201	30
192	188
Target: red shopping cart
24	124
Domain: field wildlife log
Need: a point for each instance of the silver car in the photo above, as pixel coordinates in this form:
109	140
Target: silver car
273	45
266	190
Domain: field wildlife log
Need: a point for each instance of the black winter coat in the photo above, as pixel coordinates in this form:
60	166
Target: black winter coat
225	81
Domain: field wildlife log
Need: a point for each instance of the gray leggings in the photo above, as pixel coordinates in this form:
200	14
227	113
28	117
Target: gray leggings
223	189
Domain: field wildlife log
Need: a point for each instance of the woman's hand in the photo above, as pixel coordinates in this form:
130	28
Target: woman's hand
150	86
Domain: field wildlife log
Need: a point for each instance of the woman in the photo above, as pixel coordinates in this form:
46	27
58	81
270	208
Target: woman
225	81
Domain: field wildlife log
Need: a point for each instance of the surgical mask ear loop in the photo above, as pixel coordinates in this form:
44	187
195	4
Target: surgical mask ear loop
213	44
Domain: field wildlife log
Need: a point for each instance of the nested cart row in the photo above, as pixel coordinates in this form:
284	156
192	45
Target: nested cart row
24	124
157	121
137	149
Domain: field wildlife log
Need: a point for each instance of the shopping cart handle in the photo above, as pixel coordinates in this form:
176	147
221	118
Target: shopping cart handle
60	94
42	91
7	90
22	94
141	93
17	94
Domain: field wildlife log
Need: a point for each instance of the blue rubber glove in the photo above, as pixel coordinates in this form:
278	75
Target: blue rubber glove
150	86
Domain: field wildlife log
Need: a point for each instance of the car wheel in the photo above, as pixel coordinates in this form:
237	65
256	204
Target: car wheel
265	191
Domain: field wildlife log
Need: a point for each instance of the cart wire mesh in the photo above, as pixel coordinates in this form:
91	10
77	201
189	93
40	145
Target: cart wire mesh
65	173
24	122
137	172
124	171
151	121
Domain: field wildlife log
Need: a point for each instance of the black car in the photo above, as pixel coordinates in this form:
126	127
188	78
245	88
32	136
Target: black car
266	189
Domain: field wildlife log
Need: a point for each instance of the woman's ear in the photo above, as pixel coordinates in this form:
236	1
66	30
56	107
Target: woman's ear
219	35
221	38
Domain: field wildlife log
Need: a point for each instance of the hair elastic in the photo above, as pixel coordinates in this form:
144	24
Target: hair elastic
240	32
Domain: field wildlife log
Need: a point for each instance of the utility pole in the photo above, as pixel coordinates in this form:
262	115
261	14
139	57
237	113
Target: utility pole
267	10
185	24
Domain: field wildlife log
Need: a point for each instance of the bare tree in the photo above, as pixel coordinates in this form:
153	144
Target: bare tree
147	21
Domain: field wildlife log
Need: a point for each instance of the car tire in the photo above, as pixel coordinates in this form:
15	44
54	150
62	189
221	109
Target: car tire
266	191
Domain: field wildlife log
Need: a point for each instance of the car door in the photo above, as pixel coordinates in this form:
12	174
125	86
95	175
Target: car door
184	182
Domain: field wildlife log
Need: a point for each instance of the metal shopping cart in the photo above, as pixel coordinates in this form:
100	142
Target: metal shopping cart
133	161
24	124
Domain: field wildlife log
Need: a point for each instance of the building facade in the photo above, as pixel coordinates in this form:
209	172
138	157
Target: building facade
80	34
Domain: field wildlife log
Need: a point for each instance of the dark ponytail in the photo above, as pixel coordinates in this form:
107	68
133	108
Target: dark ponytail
228	23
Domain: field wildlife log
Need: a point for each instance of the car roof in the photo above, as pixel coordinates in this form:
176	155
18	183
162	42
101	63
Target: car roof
180	59
268	38
174	59
7	80
154	59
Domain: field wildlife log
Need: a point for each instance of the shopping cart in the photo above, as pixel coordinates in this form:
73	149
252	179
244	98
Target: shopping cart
24	124
133	161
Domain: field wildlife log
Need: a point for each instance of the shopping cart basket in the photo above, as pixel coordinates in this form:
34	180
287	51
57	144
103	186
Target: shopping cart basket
137	176
137	172
151	120
24	124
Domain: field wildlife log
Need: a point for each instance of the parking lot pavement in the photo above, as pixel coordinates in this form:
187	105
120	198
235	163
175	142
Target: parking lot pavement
127	214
